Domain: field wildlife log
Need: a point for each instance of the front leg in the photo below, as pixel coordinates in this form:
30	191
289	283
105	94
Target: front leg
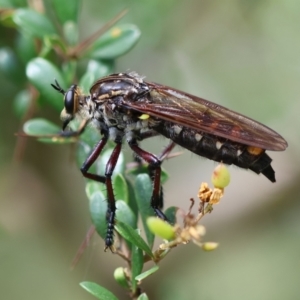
110	166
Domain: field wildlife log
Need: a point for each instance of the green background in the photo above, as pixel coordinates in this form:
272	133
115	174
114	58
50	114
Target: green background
238	53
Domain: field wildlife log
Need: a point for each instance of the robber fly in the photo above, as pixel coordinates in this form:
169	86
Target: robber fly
126	107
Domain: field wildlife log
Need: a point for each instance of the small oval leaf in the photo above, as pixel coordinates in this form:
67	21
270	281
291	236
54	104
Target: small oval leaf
83	150
66	10
69	71
170	213
10	66
7	4
95	70
45	131
86	82
137	169
33	22
143	297
90	136
22	103
125	214
41	74
40	126
104	158
129	234
92	187
70	29
137	263
143	192
98	208
25	47
115	42
98	291
131	198
121	188
147	273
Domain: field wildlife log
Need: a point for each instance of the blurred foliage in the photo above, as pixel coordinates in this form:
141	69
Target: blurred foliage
244	53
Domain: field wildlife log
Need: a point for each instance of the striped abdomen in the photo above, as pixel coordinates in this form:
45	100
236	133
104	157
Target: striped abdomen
219	149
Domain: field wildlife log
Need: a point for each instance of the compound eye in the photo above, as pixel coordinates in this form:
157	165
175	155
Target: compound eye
69	100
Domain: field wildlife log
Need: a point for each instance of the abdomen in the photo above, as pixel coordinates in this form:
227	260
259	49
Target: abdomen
219	149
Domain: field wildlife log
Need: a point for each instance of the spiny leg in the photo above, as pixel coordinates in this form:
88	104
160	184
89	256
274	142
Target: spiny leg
91	159
154	164
111	205
142	136
161	157
111	208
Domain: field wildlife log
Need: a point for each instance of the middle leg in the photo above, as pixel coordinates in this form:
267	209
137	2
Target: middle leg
154	164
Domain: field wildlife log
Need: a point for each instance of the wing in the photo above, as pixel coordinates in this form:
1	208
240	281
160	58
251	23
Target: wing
193	112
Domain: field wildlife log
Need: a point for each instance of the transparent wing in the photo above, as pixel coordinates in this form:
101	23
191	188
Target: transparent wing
190	111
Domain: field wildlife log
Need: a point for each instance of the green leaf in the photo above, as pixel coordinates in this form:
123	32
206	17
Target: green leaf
161	228
143	168
66	10
143	297
121	188
40	126
6	18
95	70
22	103
86	82
25	47
143	193
131	197
98	208
34	23
98	291
115	42
12	3
91	135
51	42
82	153
121	277
129	234
93	187
164	176
147	273
46	48
124	214
45	131
87	142
137	263
170	213
70	29
69	71
41	74
10	66
102	162
6	4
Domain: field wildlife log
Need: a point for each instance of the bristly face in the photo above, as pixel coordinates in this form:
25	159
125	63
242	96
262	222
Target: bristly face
74	103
